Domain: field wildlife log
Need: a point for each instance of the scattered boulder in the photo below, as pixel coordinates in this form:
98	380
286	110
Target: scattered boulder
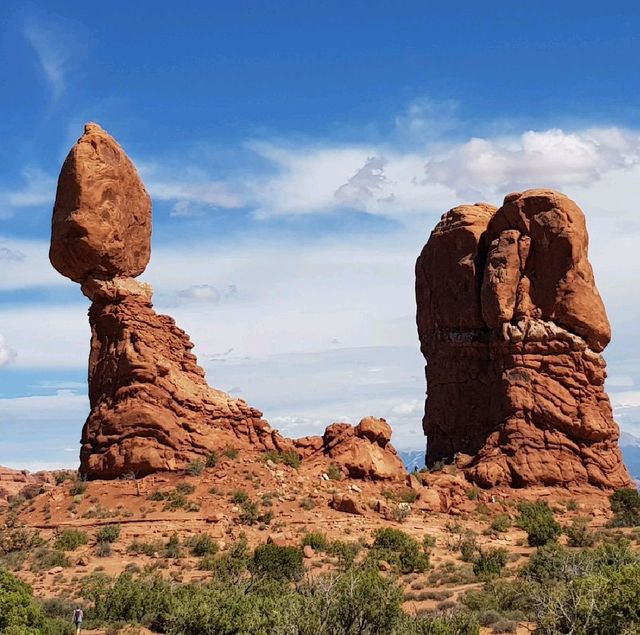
512	326
347	504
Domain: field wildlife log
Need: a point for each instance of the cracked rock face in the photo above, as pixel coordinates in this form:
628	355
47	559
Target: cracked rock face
151	407
512	327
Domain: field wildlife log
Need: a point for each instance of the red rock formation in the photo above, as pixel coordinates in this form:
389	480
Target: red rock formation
362	452
512	327
151	408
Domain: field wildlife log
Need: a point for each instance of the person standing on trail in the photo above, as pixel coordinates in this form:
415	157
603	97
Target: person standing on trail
78	615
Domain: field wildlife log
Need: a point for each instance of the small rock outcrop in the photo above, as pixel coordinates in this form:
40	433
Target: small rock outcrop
361	452
512	327
151	407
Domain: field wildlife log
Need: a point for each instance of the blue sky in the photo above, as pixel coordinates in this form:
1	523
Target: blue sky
298	156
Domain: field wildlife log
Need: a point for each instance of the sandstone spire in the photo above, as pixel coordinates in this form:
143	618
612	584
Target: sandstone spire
151	407
512	326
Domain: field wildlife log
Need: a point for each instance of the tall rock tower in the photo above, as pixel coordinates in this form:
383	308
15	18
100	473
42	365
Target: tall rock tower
512	327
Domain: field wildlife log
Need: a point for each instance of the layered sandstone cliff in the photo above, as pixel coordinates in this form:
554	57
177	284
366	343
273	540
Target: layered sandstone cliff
512	327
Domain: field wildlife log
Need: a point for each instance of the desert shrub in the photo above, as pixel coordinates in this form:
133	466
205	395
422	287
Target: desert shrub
195	468
145	548
345	552
428	542
78	487
202	545
18	539
108	533
334	472
288	457
279	563
45	558
316	540
185	489
500	523
231	453
70	539
103	549
472	493
468	546
231	566
625	504
501	597
490	562
307	504
173	549
19	613
212	459
400	549
249	514
538	521
239	496
554	563
579	534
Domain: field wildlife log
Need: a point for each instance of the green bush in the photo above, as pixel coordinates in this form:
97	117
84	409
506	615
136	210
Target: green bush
538	521
345	552
173	549
239	496
44	559
288	457
625	504
249	514
316	540
145	548
202	545
501	523
231	453
579	534
195	468
279	563
70	539
78	487
490	562
398	548
334	472
108	533
20	615
212	459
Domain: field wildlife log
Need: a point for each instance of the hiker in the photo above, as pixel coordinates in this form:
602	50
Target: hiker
78	614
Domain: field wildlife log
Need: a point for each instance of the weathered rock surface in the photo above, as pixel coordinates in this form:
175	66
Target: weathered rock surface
102	215
151	407
22	483
362	452
512	327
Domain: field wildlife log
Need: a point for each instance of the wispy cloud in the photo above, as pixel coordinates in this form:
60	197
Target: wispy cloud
52	49
37	189
7	354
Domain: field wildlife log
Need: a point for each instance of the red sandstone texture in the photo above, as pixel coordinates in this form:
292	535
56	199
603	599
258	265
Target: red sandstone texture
151	407
512	327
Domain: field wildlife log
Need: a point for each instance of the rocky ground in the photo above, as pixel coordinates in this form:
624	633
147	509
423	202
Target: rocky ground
266	501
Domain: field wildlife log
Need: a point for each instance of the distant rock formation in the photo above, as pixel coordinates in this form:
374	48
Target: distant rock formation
512	326
361	452
151	407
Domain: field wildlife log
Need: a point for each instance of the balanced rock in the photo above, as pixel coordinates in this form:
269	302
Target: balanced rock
102	215
151	407
512	327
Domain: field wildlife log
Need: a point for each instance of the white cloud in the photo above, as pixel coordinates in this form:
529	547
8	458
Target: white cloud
25	264
38	190
194	191
7	354
52	49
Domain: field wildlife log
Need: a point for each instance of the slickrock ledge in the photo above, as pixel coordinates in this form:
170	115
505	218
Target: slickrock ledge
512	327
